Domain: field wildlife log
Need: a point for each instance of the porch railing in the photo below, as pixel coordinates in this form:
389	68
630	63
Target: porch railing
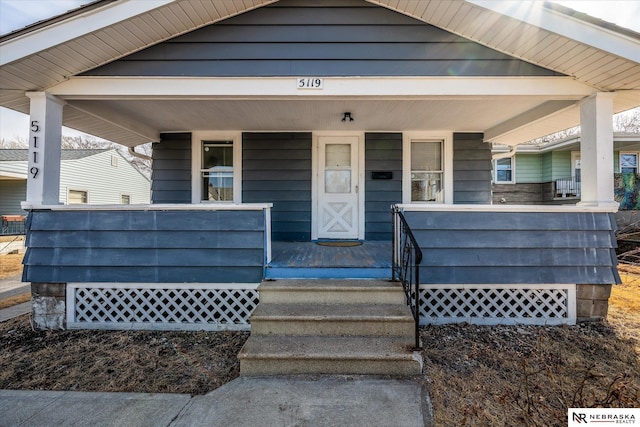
406	259
567	187
12	225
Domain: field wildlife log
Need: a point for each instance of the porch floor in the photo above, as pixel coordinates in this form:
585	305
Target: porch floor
308	260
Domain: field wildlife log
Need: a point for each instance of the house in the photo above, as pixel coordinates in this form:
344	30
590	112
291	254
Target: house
550	173
277	124
87	176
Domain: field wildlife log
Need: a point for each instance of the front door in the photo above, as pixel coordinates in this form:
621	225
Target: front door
337	210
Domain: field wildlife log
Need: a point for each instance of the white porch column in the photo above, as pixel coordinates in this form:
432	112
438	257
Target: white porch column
596	150
45	134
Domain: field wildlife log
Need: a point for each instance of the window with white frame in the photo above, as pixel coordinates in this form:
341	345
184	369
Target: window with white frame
503	171
217	171
125	199
77	197
629	163
427	171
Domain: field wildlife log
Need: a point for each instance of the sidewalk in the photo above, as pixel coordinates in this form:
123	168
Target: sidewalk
246	401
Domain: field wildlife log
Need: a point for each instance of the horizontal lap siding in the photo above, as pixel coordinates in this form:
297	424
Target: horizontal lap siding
515	248
151	246
383	153
171	169
276	168
471	169
324	39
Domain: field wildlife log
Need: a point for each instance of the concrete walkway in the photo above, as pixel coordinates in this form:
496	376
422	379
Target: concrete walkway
246	401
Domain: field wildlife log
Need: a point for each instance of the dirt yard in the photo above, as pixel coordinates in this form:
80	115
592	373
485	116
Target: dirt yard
476	375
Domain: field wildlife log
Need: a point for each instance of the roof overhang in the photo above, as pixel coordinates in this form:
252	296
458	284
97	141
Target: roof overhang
49	55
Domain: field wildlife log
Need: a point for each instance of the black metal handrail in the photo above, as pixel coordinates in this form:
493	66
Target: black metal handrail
406	259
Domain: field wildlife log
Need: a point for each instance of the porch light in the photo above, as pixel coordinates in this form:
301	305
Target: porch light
347	115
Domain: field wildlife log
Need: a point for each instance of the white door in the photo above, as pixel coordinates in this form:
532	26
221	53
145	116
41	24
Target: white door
337	187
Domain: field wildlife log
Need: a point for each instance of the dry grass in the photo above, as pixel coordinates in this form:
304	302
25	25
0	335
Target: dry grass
10	265
476	375
504	376
116	361
14	300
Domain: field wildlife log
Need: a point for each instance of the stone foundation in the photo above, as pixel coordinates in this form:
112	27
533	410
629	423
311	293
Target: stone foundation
592	302
48	301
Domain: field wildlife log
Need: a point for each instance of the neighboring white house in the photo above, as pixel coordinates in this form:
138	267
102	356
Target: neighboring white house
92	176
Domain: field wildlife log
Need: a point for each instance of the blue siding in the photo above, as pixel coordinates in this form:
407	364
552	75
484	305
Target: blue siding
171	169
276	168
292	38
383	153
471	169
145	246
515	248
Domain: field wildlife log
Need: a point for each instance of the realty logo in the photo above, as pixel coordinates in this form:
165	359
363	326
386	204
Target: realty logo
603	416
579	418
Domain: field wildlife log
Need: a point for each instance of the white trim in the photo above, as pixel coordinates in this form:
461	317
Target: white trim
15	176
73	27
447	153
315	178
505	208
285	87
150	285
571	308
567	26
158	325
196	161
512	160
77	190
154	207
635	153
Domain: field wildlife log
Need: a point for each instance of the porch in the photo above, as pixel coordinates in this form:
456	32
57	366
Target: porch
330	260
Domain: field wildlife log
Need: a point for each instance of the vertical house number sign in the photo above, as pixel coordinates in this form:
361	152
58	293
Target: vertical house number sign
35	153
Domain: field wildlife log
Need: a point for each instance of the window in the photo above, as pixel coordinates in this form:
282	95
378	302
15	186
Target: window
217	171
427	171
628	162
503	170
77	197
125	199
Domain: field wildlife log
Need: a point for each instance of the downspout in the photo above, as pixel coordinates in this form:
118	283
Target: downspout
134	153
510	153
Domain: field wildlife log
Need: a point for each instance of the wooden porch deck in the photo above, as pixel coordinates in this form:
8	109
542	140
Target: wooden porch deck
307	260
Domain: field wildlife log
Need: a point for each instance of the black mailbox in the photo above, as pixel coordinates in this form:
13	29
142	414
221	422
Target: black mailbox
381	175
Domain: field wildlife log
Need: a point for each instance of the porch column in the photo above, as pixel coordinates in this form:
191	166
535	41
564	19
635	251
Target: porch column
596	150
45	134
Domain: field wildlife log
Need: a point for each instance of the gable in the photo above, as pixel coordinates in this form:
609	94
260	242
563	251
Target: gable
292	38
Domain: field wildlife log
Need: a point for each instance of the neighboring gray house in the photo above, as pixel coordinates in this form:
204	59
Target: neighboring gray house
90	176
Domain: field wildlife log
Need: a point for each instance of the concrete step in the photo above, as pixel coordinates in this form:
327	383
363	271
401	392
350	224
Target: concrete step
332	319
332	291
336	355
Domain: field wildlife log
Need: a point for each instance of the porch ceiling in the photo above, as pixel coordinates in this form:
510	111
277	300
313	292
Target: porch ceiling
471	115
39	57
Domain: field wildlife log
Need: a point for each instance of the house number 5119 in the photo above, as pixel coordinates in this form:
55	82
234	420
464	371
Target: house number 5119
310	83
35	128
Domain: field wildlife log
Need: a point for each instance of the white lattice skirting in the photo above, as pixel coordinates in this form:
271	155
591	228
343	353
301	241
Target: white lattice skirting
498	304
161	306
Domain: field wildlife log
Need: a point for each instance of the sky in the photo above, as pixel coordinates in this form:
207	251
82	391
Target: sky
16	14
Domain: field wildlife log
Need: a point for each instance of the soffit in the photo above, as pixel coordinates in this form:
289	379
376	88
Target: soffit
53	65
524	40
